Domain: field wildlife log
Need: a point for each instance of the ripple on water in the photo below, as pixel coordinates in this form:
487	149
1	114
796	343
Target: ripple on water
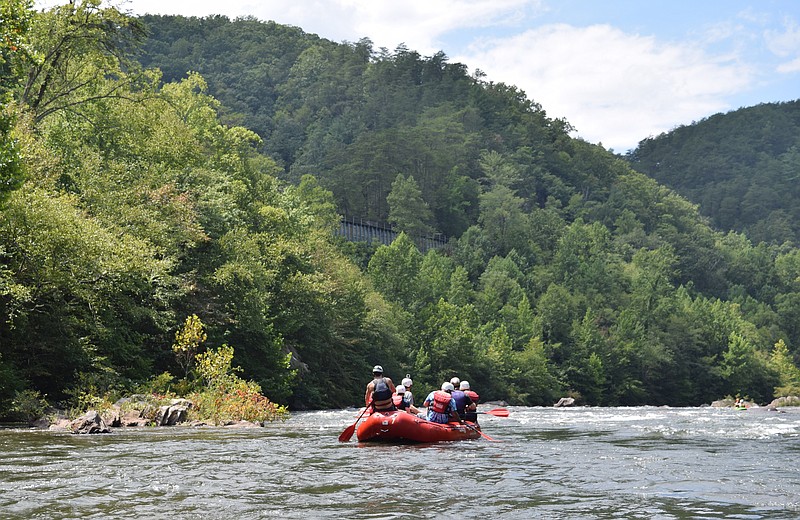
550	463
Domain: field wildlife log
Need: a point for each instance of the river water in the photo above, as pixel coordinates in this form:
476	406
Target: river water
547	463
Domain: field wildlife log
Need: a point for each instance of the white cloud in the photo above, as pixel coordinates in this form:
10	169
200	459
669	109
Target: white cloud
612	86
418	23
790	66
785	44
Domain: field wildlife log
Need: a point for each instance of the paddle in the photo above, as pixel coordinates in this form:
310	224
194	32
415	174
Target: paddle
497	412
348	432
482	434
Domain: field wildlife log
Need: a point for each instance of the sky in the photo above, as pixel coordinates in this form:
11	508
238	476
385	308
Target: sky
618	71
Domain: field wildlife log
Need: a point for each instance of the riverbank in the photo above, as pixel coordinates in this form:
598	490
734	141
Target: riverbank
140	411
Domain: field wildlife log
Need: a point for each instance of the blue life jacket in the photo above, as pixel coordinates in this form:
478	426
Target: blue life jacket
381	395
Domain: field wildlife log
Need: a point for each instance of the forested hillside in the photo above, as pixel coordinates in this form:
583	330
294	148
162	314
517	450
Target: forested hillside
742	168
152	193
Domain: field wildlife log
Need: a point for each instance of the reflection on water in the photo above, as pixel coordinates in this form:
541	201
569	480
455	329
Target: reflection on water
551	463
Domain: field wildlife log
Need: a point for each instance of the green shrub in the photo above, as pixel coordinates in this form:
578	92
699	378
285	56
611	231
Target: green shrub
29	405
226	397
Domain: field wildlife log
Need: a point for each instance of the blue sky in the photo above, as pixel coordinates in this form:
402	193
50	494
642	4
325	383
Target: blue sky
617	70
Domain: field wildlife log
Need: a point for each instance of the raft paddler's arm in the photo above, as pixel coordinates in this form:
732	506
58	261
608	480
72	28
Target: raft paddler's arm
368	395
454	413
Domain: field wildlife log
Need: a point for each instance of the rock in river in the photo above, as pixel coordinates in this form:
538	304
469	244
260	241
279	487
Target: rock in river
90	422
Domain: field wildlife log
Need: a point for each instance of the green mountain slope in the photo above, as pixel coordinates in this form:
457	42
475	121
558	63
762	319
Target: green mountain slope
150	198
742	168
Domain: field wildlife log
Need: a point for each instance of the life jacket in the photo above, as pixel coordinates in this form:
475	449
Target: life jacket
472	395
399	402
381	395
441	401
462	401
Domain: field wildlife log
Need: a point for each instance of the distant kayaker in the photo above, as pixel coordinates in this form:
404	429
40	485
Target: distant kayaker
403	400
379	391
463	402
471	414
441	406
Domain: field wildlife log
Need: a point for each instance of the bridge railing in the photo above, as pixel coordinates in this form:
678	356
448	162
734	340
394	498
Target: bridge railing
356	229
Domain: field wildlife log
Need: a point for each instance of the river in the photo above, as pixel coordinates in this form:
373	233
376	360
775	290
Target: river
648	463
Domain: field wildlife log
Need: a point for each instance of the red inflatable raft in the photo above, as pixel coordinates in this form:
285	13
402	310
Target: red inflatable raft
406	427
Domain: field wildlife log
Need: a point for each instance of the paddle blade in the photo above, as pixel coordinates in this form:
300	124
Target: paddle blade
481	433
487	437
348	432
498	412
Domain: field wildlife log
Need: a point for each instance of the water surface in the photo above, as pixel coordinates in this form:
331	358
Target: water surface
549	463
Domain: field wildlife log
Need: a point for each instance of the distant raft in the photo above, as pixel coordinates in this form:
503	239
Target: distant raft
406	427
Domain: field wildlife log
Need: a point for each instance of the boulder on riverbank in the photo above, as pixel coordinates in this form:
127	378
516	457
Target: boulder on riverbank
730	403
60	425
174	413
722	403
791	400
133	419
88	423
564	402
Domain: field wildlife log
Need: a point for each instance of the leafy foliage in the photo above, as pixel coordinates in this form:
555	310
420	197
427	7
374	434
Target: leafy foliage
226	397
740	167
155	194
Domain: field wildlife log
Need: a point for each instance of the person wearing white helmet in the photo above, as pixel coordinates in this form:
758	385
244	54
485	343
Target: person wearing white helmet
463	403
470	414
401	401
407	382
379	391
441	406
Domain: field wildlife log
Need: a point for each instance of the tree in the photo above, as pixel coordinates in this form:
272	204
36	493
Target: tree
187	342
502	218
498	170
745	370
788	374
534	381
408	211
15	54
394	269
81	45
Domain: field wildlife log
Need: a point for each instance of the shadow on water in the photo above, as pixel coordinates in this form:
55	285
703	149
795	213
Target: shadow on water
562	434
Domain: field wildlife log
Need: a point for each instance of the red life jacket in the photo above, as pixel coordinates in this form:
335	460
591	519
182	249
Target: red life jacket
472	395
441	401
397	400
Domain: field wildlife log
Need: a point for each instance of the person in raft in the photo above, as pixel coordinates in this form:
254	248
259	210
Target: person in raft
379	391
403	400
407	382
441	406
470	414
464	403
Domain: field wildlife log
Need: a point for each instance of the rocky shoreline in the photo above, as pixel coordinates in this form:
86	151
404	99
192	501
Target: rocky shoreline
131	413
780	402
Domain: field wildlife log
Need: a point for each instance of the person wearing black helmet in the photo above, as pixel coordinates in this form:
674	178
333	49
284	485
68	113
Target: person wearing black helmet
380	391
